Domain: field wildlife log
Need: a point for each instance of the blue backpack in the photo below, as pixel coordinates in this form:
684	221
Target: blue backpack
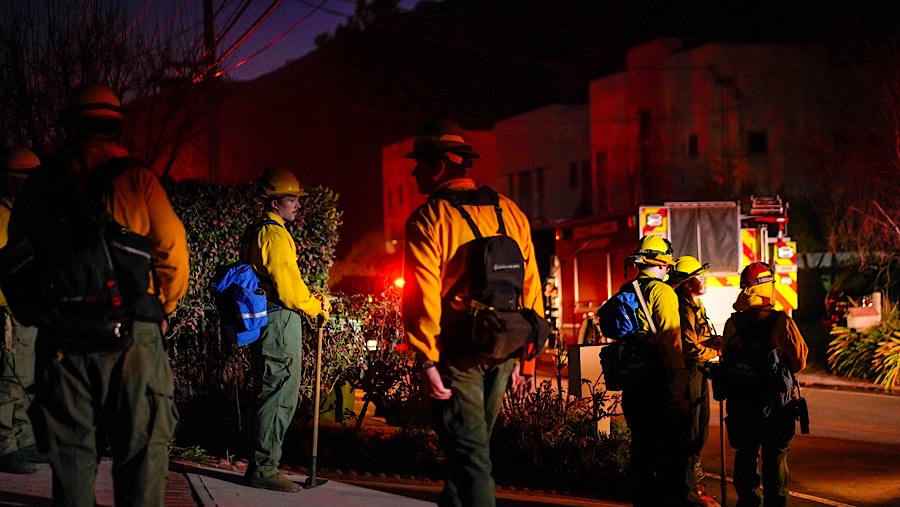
240	301
619	314
631	358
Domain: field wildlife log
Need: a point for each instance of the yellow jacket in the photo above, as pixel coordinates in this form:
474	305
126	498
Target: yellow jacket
434	233
273	254
5	212
663	305
695	329
785	336
138	202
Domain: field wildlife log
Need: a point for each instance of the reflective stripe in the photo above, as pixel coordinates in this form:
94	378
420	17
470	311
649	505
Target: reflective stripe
256	315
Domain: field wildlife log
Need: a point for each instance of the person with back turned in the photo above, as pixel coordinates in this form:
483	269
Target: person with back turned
102	371
17	450
462	373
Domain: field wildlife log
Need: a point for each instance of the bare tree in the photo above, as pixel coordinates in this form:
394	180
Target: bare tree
867	162
152	59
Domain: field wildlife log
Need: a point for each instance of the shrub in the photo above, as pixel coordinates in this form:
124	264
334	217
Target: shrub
871	354
552	440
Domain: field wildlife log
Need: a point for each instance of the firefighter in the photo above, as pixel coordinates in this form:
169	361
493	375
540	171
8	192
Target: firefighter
700	345
17	451
757	417
270	249
656	405
466	387
123	397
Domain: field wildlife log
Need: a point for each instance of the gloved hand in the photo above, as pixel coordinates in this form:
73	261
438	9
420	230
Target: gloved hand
679	405
325	312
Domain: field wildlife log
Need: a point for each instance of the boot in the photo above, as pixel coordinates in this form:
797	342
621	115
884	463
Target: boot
277	482
32	455
13	464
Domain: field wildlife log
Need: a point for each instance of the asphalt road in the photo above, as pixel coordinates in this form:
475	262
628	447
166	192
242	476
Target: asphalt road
851	457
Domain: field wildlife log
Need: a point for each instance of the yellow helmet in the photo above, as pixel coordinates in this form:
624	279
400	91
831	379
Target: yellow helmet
93	100
653	250
277	181
18	162
687	267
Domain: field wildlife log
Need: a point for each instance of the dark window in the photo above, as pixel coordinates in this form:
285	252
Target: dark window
601	180
587	187
757	142
539	192
573	175
525	193
644	126
693	146
400	195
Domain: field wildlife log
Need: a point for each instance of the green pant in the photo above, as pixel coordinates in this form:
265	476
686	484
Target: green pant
749	432
16	375
659	445
124	399
276	375
464	424
698	387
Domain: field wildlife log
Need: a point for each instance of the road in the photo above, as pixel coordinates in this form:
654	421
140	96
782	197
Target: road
851	457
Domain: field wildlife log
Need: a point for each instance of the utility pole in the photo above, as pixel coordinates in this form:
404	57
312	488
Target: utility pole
209	81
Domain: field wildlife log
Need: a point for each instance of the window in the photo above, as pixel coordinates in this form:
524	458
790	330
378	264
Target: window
400	195
539	192
573	175
525	193
644	122
757	142
602	176
587	188
693	146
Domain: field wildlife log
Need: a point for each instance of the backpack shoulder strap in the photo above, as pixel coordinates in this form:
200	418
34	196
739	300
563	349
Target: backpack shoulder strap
456	200
639	292
483	196
495	200
255	227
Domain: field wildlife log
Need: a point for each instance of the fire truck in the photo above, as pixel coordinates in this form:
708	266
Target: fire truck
589	264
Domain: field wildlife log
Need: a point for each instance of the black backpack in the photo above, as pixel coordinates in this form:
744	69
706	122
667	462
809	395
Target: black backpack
78	273
752	372
497	324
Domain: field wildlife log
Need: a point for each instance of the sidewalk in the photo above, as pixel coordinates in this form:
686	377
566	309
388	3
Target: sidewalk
190	484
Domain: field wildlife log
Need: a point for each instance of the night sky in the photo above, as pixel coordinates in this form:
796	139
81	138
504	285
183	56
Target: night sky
287	33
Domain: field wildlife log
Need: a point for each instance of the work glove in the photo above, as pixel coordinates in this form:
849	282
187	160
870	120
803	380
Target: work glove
679	405
325	312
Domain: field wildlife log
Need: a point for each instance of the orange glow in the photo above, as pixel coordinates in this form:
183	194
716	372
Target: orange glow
399	283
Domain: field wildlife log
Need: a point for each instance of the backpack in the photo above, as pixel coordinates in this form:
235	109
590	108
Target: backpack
619	314
631	358
496	324
79	274
752	371
239	300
